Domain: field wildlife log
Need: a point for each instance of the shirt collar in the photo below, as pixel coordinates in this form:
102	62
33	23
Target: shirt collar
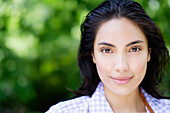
99	104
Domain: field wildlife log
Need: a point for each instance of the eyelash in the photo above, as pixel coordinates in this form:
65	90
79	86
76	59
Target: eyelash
133	49
106	50
136	49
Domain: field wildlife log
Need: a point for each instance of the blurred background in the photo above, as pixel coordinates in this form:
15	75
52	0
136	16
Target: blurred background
38	47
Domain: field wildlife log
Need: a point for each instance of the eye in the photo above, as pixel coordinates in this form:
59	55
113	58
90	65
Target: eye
106	50
135	49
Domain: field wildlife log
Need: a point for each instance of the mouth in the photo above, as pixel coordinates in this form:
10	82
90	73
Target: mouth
121	80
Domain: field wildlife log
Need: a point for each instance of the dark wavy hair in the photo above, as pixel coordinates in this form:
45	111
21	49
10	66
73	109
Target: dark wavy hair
116	9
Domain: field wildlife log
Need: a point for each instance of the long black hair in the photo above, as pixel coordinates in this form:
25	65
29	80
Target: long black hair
116	9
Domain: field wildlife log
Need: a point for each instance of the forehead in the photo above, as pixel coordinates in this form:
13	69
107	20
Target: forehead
119	31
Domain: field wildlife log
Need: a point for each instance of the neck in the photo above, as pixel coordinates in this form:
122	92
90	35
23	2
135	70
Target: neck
125	103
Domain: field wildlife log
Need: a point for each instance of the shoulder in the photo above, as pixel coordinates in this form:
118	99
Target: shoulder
161	105
76	105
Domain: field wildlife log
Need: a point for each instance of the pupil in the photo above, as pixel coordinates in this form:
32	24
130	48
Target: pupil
107	51
134	49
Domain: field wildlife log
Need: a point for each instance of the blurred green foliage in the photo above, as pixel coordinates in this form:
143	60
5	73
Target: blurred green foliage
38	46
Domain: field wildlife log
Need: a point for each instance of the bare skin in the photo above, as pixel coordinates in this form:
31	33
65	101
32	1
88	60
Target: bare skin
121	55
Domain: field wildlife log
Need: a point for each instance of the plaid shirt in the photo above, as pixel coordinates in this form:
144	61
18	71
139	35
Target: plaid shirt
98	104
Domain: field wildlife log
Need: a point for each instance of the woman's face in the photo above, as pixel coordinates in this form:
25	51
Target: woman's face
121	55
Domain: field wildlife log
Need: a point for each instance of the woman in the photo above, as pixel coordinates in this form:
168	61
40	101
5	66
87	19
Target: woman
122	58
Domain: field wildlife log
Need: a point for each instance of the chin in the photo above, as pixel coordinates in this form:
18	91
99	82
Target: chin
122	92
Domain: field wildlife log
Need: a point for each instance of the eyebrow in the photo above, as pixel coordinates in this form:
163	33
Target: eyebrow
135	42
107	44
129	44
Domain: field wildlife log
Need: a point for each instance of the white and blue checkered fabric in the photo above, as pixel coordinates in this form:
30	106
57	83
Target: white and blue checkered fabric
98	104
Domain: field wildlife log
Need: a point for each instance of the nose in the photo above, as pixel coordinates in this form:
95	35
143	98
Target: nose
121	64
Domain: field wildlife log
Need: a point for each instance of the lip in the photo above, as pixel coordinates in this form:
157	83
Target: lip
121	80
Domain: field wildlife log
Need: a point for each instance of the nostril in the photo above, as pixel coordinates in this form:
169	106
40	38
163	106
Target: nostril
121	64
120	67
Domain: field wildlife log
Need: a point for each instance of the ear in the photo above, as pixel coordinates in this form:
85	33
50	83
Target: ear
149	54
92	54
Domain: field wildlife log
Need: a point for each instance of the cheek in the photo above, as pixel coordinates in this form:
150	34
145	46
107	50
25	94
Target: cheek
139	67
103	67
